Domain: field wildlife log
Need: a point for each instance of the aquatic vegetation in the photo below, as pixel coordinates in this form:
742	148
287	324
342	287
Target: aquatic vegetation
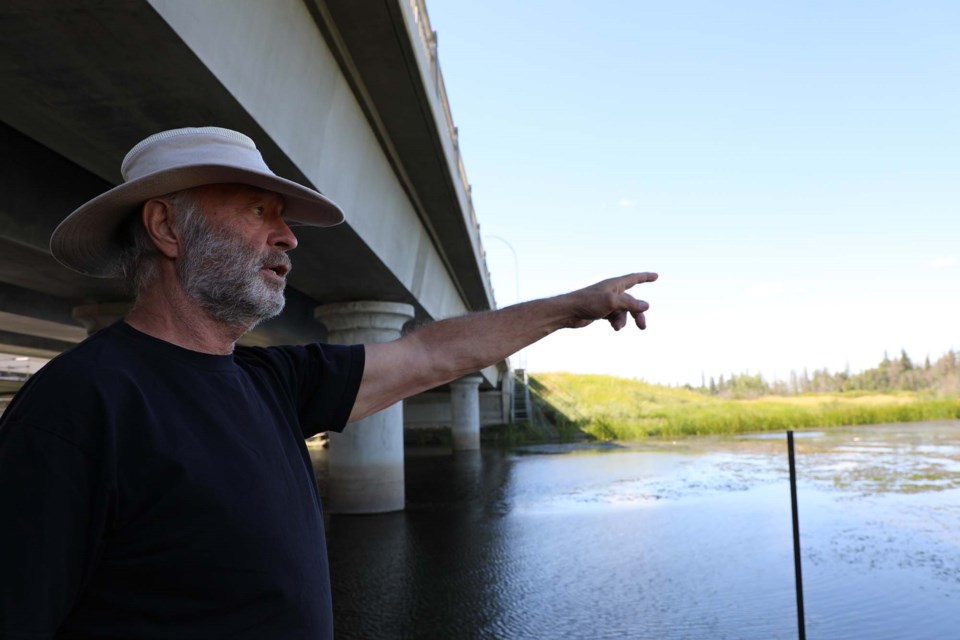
610	408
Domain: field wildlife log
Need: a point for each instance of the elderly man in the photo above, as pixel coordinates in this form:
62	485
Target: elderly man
154	482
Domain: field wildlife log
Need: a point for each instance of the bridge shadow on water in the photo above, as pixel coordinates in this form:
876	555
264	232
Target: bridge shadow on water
432	570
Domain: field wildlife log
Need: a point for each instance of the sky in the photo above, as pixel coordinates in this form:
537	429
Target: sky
790	169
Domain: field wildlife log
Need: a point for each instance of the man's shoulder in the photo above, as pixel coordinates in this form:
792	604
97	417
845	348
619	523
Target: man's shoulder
99	357
63	397
78	382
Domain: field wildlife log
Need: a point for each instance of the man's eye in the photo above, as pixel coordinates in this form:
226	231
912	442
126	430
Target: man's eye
259	211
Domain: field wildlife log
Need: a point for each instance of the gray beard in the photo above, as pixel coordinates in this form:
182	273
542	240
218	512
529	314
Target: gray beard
223	275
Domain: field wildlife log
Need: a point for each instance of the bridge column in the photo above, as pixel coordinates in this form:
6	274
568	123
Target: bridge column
465	413
96	316
366	460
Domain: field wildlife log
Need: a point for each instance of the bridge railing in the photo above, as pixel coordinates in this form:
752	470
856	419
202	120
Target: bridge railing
427	38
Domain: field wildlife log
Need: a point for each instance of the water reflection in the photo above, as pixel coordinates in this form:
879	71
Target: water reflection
687	539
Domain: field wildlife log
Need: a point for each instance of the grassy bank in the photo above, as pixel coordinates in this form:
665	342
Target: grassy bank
610	408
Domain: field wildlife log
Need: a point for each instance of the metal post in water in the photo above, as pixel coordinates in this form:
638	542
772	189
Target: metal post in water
796	536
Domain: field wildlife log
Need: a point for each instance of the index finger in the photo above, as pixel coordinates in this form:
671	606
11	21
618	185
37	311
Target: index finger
632	279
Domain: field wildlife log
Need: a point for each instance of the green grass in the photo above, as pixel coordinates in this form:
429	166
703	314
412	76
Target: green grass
609	408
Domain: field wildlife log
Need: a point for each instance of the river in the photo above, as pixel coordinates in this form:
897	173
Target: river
685	539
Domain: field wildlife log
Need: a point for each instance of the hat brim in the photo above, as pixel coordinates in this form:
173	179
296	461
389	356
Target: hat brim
89	239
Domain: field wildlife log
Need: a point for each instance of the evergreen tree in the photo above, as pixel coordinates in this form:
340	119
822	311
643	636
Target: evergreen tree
940	377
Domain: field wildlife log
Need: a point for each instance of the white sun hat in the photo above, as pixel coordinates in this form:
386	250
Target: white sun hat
90	240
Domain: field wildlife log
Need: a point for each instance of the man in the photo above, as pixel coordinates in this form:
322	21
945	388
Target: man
154	481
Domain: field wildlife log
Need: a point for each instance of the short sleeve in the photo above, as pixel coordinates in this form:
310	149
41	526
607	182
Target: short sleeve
323	380
327	400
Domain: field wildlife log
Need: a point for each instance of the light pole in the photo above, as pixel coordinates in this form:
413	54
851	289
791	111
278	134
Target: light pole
516	274
521	361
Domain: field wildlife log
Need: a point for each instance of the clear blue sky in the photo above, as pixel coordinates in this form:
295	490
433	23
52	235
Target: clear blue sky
792	170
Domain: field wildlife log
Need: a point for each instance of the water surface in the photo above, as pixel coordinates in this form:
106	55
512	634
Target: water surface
687	539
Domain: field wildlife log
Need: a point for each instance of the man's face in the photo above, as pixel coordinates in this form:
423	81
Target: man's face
234	262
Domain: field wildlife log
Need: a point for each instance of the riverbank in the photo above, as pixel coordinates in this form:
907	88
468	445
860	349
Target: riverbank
610	408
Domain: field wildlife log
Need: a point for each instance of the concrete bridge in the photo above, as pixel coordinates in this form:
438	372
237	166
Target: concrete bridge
342	95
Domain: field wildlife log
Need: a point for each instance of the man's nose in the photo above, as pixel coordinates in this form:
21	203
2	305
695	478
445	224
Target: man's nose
283	237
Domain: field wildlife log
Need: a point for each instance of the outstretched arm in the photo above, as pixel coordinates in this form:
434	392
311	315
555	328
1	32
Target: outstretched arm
449	349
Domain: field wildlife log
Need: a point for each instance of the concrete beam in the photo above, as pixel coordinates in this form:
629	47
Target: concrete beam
32	304
390	52
19	344
39	189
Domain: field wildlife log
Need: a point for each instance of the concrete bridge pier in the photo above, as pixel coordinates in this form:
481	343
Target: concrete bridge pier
465	413
366	460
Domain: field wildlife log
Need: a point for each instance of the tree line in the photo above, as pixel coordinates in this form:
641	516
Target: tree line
941	377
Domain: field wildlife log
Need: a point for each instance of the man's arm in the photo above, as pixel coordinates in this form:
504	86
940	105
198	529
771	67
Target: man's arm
449	349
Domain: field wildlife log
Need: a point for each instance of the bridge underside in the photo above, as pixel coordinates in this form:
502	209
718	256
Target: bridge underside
336	96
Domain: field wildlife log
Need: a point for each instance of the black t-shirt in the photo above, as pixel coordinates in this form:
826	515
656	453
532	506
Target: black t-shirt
148	491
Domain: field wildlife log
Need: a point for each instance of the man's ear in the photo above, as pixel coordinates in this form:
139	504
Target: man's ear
158	221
